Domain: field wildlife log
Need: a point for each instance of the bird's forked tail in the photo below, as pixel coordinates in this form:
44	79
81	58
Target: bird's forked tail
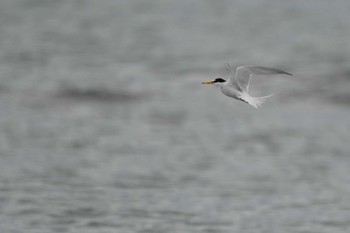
256	102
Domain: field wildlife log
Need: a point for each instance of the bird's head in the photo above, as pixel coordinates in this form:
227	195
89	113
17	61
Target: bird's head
215	81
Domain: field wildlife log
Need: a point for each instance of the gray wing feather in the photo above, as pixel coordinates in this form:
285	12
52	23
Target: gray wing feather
233	79
260	70
244	73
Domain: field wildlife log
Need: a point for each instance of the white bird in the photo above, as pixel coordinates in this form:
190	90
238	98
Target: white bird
237	86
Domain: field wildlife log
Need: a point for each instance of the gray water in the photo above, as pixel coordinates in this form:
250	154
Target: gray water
105	126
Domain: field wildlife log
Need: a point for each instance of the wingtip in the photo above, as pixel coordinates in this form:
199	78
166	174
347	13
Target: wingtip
228	67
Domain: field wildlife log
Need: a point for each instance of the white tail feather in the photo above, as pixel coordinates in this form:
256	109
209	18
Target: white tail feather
256	102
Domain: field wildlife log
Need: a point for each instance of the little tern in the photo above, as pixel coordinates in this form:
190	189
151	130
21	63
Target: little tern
237	86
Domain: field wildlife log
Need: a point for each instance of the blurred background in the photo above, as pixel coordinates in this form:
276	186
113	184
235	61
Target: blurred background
105	126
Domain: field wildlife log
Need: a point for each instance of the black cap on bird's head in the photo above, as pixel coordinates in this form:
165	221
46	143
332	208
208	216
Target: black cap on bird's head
217	80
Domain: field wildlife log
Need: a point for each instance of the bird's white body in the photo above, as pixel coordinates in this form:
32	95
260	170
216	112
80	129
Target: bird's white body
228	90
231	91
237	86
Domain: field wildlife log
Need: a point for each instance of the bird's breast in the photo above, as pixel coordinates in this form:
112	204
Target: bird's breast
229	91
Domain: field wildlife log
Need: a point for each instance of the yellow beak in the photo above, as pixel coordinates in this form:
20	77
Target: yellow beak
208	82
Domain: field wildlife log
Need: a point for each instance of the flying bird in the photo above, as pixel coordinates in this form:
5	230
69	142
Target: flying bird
237	86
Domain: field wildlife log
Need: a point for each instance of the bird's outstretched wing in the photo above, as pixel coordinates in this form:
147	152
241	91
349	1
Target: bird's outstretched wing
244	73
233	80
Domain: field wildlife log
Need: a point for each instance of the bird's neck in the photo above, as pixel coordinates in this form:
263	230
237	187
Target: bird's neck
219	84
